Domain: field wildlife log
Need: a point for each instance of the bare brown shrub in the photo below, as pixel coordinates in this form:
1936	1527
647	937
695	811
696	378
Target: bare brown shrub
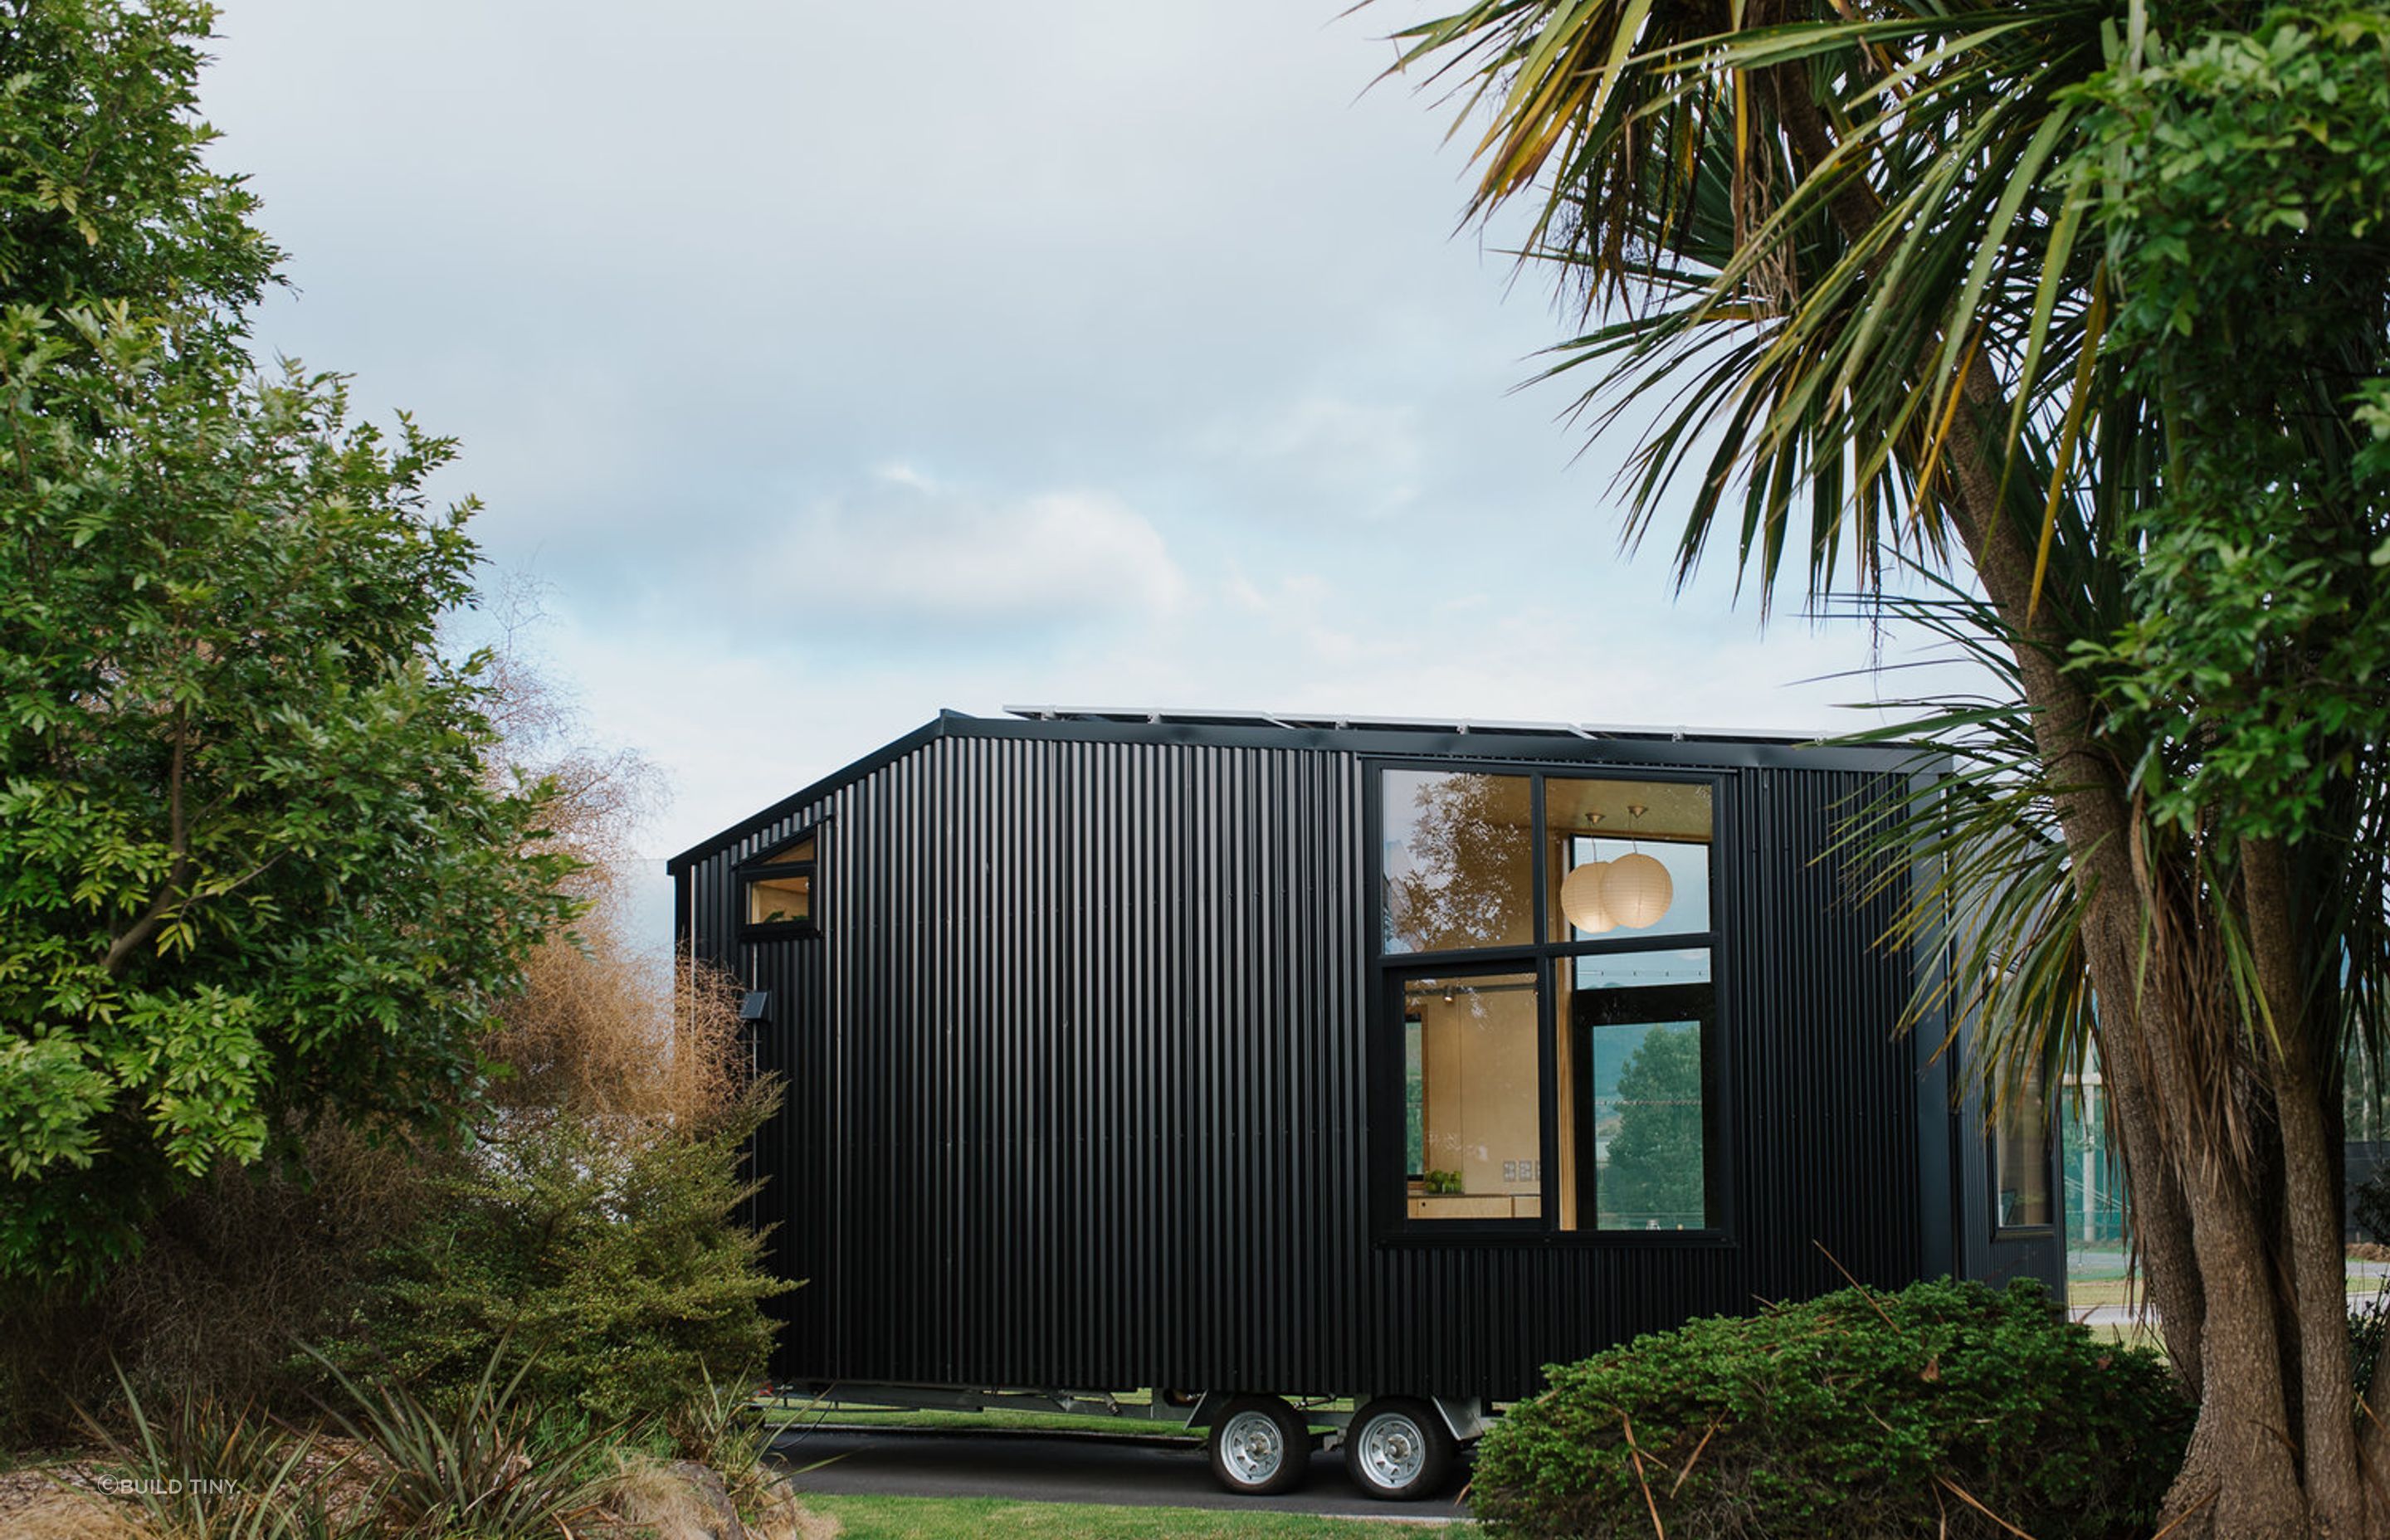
230	1276
238	1271
599	1028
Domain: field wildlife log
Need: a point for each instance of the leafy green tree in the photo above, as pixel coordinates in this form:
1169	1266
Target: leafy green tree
104	197
2075	313
1654	1168
253	872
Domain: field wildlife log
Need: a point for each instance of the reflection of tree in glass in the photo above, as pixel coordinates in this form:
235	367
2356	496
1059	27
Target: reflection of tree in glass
1468	876
1654	1166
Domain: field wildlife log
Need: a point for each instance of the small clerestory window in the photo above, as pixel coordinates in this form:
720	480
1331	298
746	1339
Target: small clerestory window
779	888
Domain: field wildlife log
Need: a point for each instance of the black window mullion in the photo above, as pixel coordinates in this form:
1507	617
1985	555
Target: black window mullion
1689	941
1548	1059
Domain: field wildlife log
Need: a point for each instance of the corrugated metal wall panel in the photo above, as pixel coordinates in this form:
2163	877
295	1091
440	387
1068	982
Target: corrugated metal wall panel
1077	1085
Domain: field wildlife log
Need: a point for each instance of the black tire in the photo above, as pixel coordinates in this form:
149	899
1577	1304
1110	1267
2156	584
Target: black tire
1259	1447
1398	1450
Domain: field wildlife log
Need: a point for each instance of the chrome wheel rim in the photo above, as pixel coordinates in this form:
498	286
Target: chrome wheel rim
1393	1451
1252	1446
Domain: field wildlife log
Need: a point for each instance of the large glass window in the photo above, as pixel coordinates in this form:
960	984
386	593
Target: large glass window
1637	1123
1559	1012
1627	859
1474	1113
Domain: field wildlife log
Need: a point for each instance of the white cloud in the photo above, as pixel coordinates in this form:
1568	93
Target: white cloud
913	551
1340	457
1177	291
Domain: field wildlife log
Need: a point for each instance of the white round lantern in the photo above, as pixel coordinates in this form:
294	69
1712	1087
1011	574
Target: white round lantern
1581	899
1636	891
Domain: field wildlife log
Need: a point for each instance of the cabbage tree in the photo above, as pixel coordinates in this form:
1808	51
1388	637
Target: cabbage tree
2077	310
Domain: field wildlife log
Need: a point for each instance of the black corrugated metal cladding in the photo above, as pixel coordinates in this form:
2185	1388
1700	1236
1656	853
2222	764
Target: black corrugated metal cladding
1076	1083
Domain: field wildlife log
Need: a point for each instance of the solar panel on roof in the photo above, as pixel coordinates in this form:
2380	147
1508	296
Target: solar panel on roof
1310	722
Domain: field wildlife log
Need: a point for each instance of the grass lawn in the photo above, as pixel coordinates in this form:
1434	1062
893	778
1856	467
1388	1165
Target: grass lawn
2084	1293
968	1518
2132	1336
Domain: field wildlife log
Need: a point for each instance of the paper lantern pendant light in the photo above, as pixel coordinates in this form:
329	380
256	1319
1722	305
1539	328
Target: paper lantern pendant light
1635	890
1581	899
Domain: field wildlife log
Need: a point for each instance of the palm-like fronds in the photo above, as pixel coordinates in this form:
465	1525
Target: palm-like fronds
1977	849
1842	235
1852	250
202	1469
489	1465
1861	256
1838	246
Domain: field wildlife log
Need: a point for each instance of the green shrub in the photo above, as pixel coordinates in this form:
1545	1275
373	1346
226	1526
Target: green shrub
605	1247
1858	1413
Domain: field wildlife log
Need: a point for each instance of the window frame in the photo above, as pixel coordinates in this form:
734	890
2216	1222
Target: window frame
1384	1149
1713	1121
775	862
2053	1174
1387	1175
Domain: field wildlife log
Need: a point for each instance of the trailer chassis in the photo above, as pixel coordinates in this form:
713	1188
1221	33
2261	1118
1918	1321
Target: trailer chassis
1396	1448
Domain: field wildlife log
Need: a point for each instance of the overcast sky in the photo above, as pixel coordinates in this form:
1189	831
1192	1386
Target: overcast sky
829	365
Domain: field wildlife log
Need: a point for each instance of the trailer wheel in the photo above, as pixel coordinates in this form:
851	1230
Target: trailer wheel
1398	1451
1259	1447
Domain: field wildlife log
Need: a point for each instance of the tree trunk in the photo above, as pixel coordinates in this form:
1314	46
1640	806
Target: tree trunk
2310	1193
2174	1054
2094	813
2213	1271
2211	1265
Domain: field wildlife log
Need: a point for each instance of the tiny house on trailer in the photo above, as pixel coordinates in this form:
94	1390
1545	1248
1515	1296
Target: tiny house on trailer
1258	1063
